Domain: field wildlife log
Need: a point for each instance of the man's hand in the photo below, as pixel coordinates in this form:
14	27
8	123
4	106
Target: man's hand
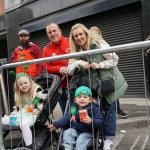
63	70
87	120
85	64
20	60
51	127
95	65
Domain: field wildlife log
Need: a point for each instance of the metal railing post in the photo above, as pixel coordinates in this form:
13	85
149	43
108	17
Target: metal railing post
1	127
4	95
4	101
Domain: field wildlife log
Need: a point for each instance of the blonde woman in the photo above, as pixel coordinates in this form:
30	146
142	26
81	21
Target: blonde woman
81	39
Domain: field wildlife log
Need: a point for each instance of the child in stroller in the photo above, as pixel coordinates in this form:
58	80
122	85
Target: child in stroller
80	132
28	99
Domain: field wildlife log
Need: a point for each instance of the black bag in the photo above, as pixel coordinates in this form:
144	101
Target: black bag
42	139
107	86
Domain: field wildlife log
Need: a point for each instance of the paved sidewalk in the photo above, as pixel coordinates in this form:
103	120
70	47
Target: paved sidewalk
137	109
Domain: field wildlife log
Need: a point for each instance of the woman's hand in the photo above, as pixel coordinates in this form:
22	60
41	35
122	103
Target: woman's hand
51	127
85	64
95	65
87	120
63	70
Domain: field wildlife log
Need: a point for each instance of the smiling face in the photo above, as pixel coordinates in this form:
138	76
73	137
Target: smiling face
80	38
54	33
82	100
24	84
24	38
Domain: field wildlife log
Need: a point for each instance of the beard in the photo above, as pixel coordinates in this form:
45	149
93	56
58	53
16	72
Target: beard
24	44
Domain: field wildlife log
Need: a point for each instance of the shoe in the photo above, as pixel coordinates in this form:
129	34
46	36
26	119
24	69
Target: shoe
122	114
29	147
100	143
108	144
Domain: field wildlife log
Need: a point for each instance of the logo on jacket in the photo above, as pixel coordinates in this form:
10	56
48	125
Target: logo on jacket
68	50
54	54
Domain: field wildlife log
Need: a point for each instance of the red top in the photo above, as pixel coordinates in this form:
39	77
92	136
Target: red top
32	51
53	49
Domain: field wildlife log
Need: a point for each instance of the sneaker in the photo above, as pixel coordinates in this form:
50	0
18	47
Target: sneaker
99	142
122	114
108	144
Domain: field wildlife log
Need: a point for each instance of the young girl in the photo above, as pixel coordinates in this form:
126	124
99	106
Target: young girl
28	99
80	132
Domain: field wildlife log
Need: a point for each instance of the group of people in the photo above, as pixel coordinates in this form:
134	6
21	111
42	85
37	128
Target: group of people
26	90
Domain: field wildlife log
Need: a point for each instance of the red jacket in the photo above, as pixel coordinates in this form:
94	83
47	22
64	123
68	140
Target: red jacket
32	51
53	49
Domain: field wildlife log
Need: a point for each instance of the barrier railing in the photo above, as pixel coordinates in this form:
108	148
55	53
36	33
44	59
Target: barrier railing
122	48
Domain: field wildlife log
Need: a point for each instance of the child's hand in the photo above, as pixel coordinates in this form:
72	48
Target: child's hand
15	109
51	127
35	112
87	120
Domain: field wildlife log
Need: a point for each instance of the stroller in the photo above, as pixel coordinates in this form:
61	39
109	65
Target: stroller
42	137
83	80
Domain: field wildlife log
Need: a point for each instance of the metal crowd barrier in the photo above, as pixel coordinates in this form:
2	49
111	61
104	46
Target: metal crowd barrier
122	48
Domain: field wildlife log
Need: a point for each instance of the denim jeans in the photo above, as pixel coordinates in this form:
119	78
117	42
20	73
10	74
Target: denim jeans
72	139
63	100
109	119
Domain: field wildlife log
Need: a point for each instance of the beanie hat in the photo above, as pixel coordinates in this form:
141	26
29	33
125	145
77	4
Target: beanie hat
83	90
23	32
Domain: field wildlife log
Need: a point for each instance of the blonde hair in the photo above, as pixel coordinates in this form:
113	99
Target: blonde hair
92	38
19	93
74	47
96	29
92	32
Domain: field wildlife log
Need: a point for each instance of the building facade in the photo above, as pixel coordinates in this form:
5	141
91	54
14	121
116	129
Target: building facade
123	21
2	7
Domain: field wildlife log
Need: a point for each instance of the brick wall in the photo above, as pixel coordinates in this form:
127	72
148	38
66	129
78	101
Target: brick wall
1	7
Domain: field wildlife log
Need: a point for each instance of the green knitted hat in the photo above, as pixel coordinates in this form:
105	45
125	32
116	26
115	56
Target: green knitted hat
83	90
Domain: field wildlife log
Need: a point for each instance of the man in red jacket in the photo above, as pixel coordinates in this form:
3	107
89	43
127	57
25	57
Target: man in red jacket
27	51
59	45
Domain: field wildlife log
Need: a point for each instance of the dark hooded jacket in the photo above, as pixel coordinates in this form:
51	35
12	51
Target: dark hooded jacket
81	126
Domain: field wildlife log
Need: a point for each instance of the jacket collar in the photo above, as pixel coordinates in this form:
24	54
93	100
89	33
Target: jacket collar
30	44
